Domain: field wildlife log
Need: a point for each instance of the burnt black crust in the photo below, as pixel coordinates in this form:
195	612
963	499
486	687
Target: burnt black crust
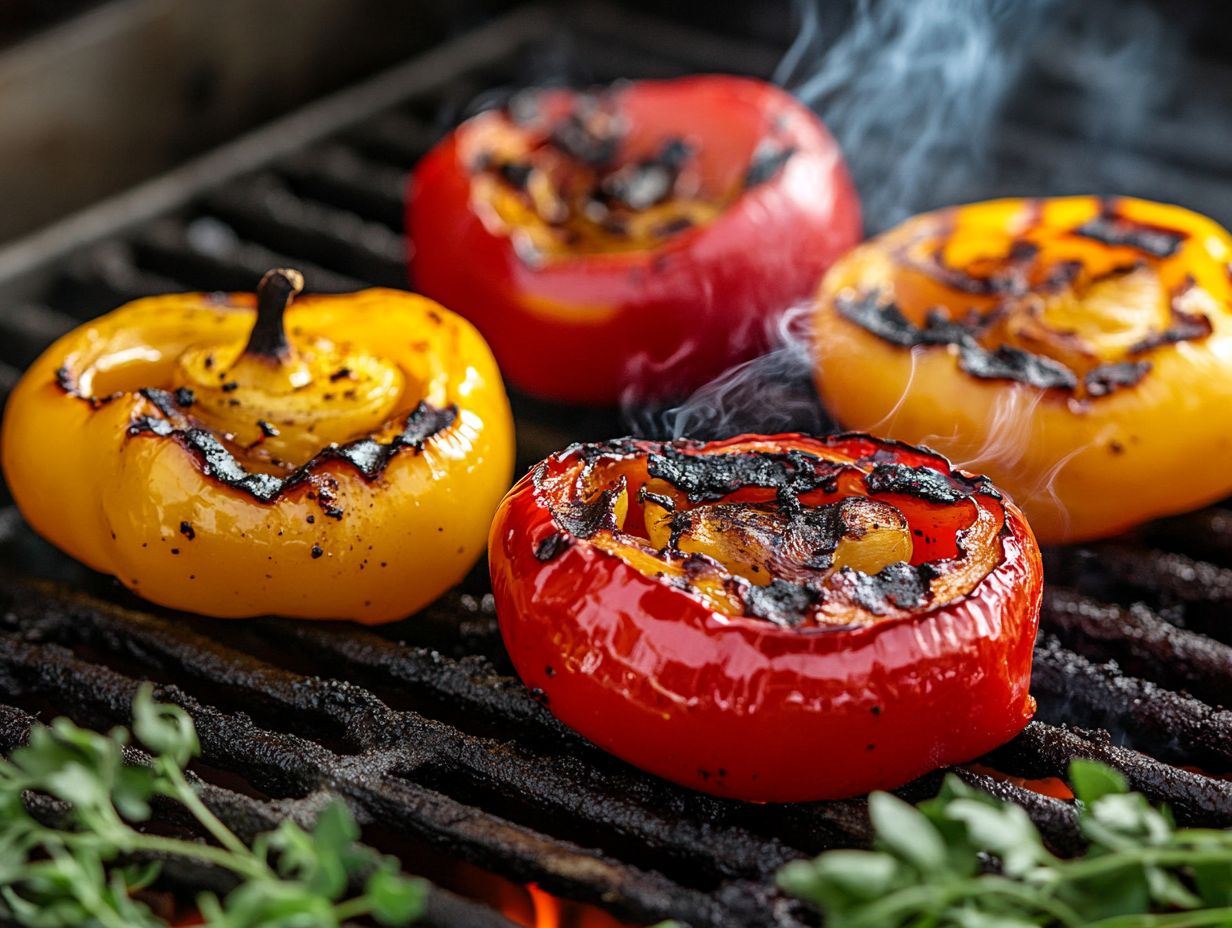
1111	229
576	137
550	547
926	483
707	478
1185	327
1009	363
887	322
896	586
1106	378
368	456
644	183
769	158
781	602
585	519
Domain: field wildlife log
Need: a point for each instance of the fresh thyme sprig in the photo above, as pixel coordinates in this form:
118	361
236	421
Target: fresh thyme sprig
83	870
927	870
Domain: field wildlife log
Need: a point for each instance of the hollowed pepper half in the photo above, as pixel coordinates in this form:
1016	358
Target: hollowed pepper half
632	241
232	455
1078	350
777	618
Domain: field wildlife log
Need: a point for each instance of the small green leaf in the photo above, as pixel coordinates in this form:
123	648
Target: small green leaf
905	832
840	880
1092	780
166	730
1003	829
1120	890
975	918
1213	882
1125	821
1168	891
395	900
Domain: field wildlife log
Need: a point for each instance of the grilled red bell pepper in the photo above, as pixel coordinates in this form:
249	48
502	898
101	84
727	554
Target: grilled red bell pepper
638	238
770	618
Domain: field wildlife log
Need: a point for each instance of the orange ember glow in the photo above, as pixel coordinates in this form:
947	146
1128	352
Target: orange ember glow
1047	786
529	905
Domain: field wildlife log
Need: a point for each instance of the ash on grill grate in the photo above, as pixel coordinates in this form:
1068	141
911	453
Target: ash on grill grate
420	725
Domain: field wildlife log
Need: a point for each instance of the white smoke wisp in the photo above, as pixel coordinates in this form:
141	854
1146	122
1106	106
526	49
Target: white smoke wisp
911	89
771	393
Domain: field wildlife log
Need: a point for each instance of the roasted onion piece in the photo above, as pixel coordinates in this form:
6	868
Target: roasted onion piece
1077	350
770	618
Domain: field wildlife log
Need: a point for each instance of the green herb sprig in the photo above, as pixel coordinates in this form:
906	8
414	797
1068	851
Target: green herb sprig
85	869
926	869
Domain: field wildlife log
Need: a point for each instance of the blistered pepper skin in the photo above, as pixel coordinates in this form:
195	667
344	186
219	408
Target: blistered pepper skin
654	321
94	476
739	707
1141	288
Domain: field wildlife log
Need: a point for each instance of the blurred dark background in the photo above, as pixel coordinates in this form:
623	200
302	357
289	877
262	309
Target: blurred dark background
928	97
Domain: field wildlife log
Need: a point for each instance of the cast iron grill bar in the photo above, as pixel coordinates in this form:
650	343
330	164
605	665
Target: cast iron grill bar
374	782
340	176
1045	751
1171	726
1192	593
1143	644
1206	535
660	819
248	817
1056	820
264	209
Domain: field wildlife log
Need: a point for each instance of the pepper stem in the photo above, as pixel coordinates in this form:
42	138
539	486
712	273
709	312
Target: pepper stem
275	292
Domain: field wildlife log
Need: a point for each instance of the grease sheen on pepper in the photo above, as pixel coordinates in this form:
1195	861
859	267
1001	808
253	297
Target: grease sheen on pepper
335	458
777	618
633	240
1078	350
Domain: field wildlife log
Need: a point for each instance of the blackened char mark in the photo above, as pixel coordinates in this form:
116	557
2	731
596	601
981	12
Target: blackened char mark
366	455
896	586
925	483
781	602
1106	378
768	159
585	519
549	547
1185	327
887	322
515	174
1008	363
577	137
1111	229
706	478
644	183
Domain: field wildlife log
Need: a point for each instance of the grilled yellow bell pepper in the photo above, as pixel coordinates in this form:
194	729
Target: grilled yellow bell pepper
331	457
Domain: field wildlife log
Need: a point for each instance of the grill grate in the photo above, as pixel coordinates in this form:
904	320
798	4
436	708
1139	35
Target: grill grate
421	725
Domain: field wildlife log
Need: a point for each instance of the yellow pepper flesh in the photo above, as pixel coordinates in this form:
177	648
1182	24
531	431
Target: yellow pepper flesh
350	474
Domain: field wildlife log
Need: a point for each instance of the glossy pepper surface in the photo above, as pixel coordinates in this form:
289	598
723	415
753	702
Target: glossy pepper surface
338	457
776	618
1077	350
632	241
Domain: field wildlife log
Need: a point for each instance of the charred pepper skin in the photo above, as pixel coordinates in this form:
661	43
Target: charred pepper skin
588	300
639	662
1077	350
344	468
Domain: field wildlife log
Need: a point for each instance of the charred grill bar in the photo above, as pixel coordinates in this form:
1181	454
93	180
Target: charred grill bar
421	725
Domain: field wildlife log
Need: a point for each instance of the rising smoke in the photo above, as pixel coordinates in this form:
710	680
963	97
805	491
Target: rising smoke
926	98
